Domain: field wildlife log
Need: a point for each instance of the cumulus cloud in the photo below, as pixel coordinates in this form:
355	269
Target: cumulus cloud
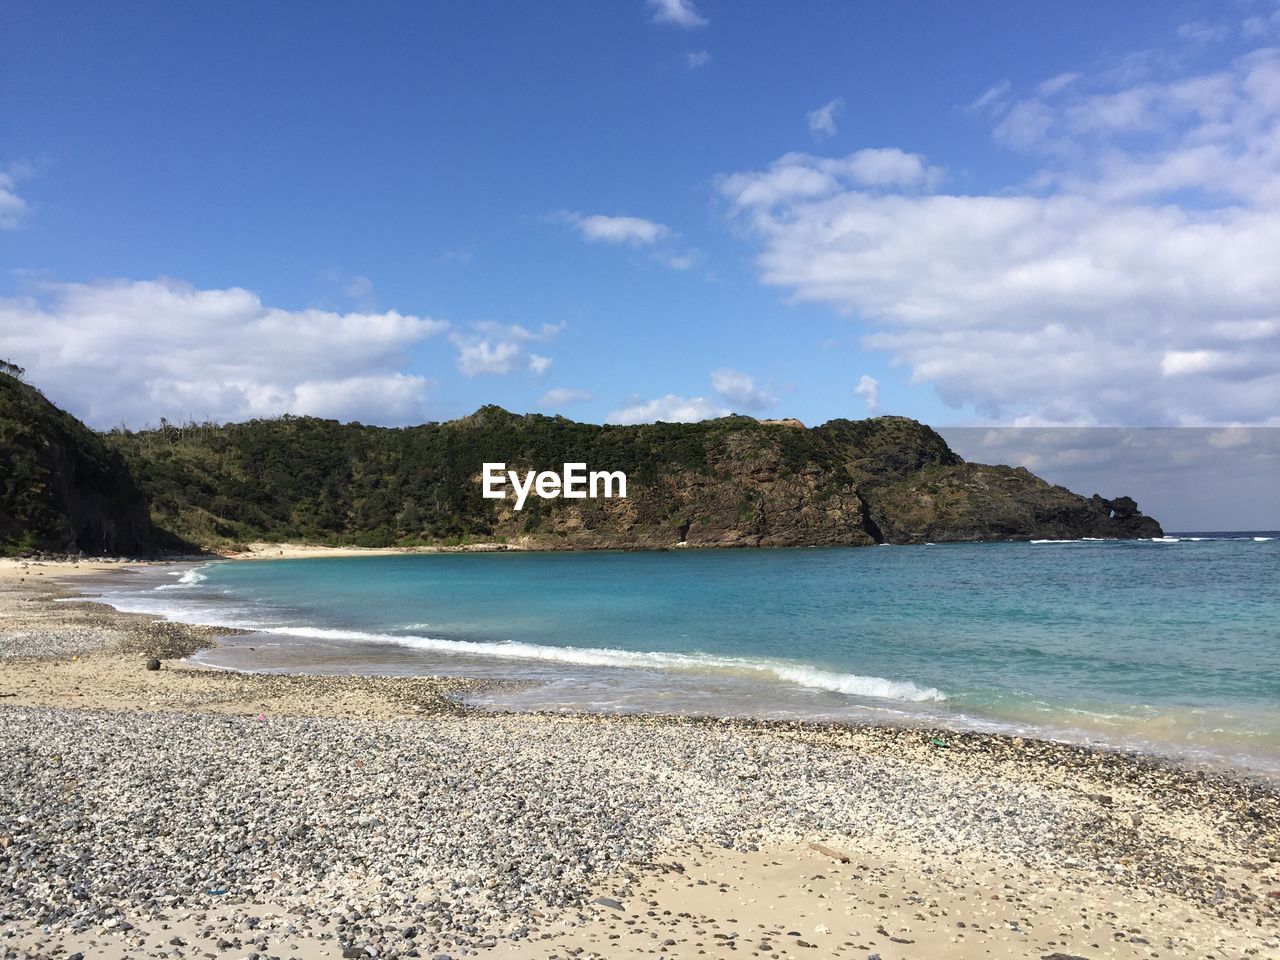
669	409
1131	281
822	121
631	231
139	350
12	207
563	397
797	179
697	58
661	243
680	13
739	389
868	389
499	349
486	356
732	387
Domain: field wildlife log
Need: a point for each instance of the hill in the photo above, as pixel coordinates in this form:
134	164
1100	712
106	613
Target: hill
734	481
61	487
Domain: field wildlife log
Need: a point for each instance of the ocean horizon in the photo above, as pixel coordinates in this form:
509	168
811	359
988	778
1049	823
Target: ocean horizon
1163	646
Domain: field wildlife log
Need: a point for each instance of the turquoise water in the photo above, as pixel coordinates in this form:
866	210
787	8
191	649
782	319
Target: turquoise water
1166	645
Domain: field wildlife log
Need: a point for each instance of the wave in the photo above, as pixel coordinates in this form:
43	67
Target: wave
800	674
190	578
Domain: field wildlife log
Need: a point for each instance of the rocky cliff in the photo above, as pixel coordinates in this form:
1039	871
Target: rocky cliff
61	488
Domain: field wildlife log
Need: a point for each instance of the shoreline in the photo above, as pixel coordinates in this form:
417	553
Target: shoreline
1185	857
67	574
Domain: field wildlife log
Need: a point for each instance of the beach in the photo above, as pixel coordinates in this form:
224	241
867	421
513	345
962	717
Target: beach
195	812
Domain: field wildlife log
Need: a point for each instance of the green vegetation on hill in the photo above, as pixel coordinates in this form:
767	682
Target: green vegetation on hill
300	478
730	482
61	487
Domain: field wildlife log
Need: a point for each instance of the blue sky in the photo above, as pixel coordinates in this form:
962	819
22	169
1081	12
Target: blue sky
1002	213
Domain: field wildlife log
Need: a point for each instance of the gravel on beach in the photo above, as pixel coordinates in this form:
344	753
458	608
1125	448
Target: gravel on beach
440	832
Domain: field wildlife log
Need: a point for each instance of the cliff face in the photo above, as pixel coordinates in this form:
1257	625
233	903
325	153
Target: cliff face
61	488
970	501
729	482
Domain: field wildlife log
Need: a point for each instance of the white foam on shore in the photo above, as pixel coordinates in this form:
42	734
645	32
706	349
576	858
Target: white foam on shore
847	683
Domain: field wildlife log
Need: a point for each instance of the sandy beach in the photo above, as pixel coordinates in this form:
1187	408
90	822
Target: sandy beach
304	551
186	812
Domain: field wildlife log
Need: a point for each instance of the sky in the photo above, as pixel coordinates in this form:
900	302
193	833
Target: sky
987	214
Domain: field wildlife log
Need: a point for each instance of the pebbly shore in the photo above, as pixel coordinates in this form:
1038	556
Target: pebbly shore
199	813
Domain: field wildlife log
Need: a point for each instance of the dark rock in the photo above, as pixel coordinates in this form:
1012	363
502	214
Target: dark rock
153	664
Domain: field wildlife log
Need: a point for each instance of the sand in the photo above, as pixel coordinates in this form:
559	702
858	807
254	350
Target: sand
304	551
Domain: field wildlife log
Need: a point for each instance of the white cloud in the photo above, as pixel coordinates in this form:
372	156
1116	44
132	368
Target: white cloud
393	397
822	122
139	350
680	13
485	356
993	98
1054	85
1132	281
12	207
669	409
697	58
868	389
740	390
631	231
661	242
732	386
799	178
562	397
498	349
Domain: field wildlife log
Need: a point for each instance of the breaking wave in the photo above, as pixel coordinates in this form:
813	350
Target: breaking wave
800	674
190	578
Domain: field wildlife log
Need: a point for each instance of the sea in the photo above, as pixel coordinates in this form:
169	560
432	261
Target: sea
1167	646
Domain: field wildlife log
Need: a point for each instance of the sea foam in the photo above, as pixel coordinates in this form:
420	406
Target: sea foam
850	684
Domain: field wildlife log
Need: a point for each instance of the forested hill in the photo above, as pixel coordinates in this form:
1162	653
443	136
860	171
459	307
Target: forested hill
61	487
734	481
